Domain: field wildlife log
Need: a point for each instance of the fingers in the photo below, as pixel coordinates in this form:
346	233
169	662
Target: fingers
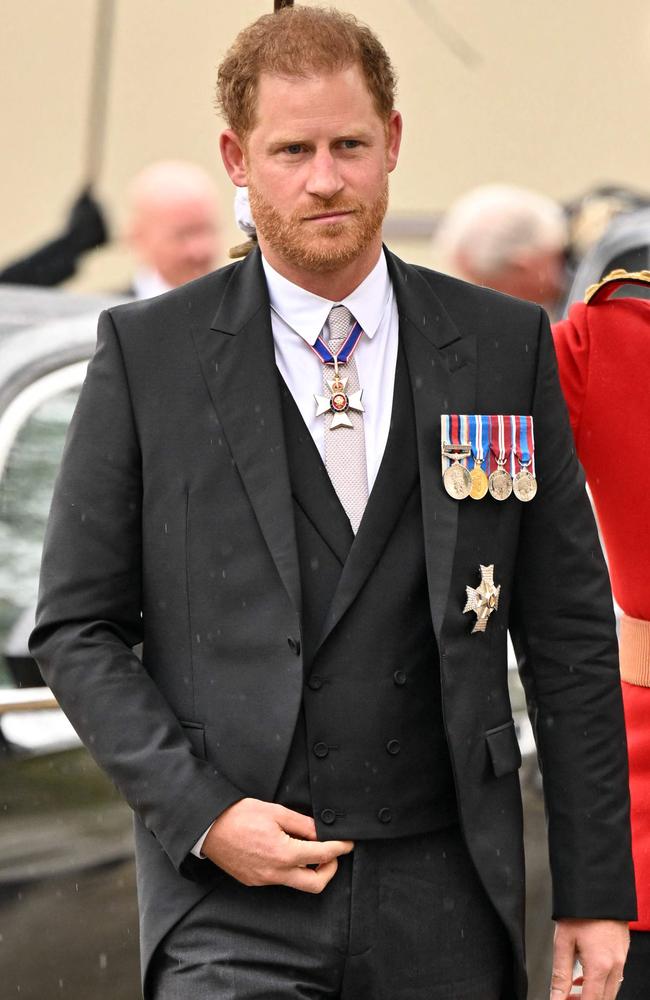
295	824
614	983
310	879
322	852
601	946
603	984
563	960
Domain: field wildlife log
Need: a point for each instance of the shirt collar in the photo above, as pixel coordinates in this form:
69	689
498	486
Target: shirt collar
147	282
307	313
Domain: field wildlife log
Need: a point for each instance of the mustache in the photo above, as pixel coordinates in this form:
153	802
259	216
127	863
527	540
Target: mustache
327	207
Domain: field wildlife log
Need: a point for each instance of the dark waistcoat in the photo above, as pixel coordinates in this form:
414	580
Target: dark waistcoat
369	758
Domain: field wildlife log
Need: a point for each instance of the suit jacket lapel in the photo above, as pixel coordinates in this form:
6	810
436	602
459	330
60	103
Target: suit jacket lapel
238	364
442	368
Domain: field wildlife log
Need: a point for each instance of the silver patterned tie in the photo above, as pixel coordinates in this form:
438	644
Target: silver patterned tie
345	447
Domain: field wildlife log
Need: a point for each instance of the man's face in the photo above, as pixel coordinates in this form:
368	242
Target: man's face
179	237
317	164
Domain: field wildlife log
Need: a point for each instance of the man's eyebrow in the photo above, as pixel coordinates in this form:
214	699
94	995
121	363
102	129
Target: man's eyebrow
296	140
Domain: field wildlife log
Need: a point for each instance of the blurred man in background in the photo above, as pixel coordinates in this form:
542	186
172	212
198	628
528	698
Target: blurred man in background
173	227
507	238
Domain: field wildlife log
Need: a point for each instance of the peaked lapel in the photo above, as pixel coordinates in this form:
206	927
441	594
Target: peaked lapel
442	369
238	363
395	481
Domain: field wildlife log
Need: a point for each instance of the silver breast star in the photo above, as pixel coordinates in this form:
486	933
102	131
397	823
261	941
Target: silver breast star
339	402
484	599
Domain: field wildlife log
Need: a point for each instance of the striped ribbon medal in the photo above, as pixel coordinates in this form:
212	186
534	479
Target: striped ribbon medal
524	482
339	401
456	449
479	436
500	481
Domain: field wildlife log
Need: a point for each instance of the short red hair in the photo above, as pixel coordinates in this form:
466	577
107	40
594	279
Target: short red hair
300	42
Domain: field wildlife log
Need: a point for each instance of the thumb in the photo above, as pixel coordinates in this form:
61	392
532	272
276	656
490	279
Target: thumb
295	824
563	961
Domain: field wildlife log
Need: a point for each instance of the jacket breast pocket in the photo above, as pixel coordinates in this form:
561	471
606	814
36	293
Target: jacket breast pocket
503	749
195	733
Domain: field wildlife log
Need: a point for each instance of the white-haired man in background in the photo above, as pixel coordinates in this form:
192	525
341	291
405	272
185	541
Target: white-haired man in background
507	238
174	227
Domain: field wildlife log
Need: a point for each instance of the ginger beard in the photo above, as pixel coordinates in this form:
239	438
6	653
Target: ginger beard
326	247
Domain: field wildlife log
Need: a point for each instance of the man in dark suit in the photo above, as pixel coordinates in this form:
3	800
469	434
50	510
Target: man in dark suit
317	745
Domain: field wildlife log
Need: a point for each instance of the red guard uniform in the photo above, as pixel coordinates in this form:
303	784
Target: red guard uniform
603	352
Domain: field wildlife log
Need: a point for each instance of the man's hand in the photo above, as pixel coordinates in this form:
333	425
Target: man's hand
261	843
601	946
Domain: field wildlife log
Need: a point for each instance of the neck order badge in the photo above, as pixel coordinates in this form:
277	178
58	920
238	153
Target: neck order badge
339	402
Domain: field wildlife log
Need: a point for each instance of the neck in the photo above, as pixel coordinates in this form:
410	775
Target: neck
332	285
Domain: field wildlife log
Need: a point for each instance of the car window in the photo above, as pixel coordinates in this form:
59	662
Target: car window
26	485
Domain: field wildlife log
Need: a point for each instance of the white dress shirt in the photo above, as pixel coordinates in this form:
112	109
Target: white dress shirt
147	283
297	319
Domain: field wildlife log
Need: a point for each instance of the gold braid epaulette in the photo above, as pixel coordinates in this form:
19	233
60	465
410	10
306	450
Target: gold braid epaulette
614	280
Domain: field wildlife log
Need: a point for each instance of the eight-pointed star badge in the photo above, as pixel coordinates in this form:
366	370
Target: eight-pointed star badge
484	599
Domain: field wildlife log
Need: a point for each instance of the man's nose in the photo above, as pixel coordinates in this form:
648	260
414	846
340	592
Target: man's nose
324	178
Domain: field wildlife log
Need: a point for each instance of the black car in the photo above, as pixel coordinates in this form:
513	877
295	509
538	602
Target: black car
68	920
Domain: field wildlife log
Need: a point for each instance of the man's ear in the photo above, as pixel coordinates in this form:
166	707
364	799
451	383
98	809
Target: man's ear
234	157
393	140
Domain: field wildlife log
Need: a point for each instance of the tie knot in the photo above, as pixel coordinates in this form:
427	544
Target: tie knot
339	322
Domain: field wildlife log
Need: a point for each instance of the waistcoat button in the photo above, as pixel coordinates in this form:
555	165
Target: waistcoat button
328	816
294	645
393	747
384	815
321	749
315	682
399	678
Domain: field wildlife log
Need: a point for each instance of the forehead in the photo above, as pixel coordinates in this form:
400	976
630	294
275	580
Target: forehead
285	102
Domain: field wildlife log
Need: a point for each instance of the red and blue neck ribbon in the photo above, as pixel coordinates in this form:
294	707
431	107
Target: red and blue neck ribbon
345	351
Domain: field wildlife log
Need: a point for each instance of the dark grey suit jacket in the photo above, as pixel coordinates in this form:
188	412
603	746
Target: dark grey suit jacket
172	524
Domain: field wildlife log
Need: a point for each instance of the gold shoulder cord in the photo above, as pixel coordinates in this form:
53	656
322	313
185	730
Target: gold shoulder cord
602	289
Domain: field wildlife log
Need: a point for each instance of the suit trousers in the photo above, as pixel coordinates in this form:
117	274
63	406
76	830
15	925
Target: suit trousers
402	919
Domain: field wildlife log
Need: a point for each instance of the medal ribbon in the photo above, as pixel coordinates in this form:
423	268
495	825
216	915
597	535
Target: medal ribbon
479	431
525	443
501	440
345	351
458	431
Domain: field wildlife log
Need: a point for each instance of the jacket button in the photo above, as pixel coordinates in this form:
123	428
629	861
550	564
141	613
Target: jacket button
321	749
294	645
399	678
315	682
384	815
328	816
393	747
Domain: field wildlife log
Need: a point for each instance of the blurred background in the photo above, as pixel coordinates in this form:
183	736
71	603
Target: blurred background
544	95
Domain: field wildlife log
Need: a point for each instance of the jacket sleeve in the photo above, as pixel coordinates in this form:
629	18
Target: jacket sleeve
563	629
89	619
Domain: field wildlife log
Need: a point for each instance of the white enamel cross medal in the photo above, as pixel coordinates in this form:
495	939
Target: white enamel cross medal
339	402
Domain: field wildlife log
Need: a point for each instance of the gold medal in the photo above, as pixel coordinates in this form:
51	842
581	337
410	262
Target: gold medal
500	484
524	485
479	483
458	481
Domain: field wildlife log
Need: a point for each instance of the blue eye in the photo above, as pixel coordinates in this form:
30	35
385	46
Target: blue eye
295	147
351	143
